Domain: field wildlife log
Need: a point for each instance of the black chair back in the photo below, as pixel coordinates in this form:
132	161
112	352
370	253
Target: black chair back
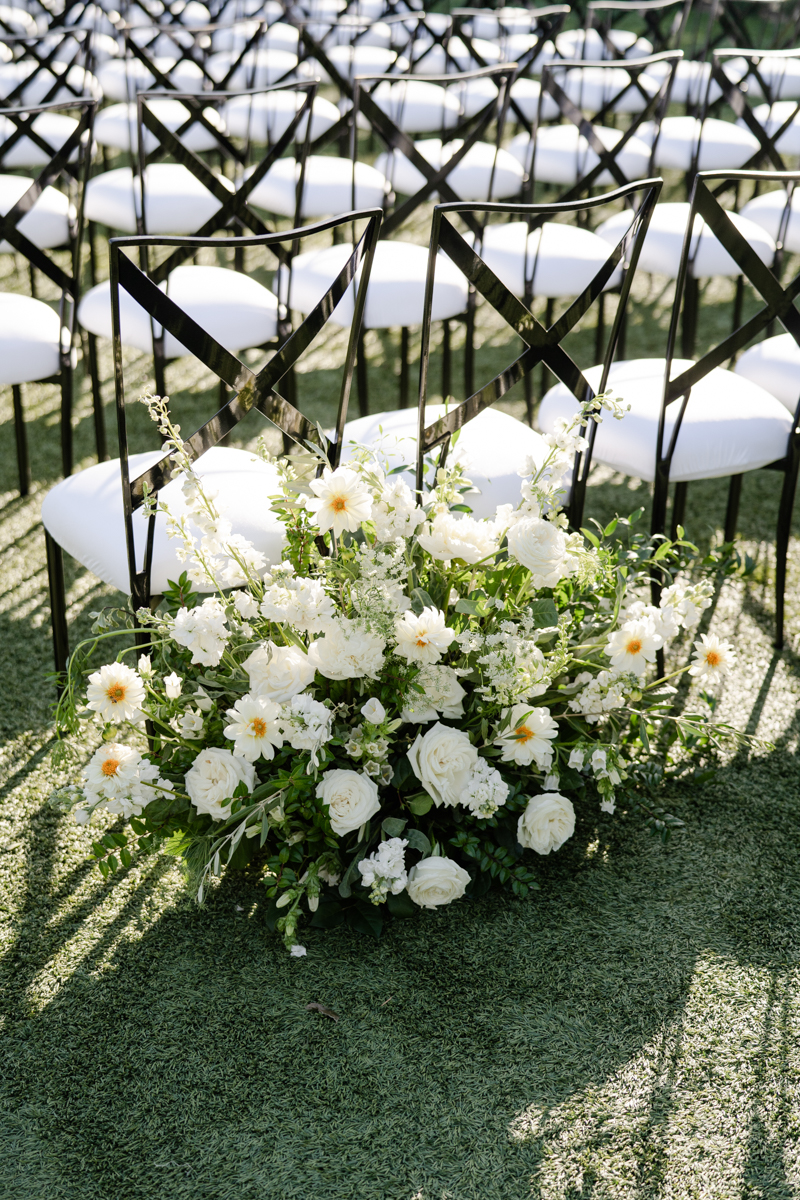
662	22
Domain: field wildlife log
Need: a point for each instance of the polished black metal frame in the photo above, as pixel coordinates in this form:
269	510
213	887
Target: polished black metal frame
734	21
252	389
543	342
70	163
735	94
663	21
42	51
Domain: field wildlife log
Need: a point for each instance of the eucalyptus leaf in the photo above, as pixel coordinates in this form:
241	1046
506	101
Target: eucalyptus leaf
393	826
418	841
420	804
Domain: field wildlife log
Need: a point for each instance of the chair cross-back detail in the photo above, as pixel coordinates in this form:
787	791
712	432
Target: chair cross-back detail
542	344
734	93
69	162
253	389
663	22
737	21
51	78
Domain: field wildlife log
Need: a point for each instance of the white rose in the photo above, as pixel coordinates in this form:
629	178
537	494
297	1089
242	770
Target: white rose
373	711
436	881
546	823
351	799
278	672
213	778
347	651
443	760
541	547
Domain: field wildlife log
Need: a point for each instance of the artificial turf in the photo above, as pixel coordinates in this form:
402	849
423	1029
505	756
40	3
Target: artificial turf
629	1031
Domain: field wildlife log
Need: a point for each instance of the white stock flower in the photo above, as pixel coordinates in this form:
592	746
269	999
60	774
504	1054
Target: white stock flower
384	870
712	659
527	737
297	951
424	638
213	778
441	695
395	513
306	724
541	547
115	693
278	672
633	646
120	776
486	790
245	604
303	603
341	501
254	727
350	797
665	620
172	685
436	881
203	630
547	822
689	600
443	760
347	651
448	536
373	711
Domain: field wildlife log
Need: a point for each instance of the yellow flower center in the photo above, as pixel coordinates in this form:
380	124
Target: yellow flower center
634	646
116	693
258	726
523	734
110	766
422	640
713	658
338	504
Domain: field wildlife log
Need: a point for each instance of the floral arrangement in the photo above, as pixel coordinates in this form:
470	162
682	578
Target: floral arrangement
405	709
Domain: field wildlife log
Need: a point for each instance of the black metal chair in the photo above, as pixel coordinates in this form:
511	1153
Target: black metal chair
662	22
52	68
45	226
764	74
84	515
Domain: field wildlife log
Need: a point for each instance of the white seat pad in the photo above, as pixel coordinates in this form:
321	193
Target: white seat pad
235	309
176	202
781	75
236	37
472	95
588	44
662	247
350	61
563	154
493	447
722	144
774	365
592	88
265	118
84	514
767	211
54	127
470	180
327	187
526	94
29	339
122	78
430	59
731	425
116	126
416	106
566	258
396	285
257	68
772	117
77	80
690	81
47	223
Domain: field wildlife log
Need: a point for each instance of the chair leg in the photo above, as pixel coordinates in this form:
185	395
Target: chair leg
782	542
528	385
691	300
66	420
447	361
97	400
600	331
469	344
403	400
548	321
361	377
732	511
160	373
21	438
678	508
58	606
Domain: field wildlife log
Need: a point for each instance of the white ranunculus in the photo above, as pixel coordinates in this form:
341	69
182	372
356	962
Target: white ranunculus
541	547
347	651
436	881
448	536
373	711
546	823
278	672
351	799
443	760
213	778
423	638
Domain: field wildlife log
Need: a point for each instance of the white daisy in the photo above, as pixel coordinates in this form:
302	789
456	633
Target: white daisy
633	646
527	737
424	638
342	501
255	728
116	693
712	658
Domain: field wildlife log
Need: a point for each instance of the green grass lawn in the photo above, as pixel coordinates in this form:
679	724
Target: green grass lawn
631	1031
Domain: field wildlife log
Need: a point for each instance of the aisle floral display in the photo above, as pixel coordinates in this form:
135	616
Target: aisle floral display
409	707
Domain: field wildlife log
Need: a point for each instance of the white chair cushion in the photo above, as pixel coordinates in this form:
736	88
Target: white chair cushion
396	285
122	78
774	365
470	180
767	211
501	22
722	144
731	425
416	106
781	75
85	516
472	95
116	126
690	81
350	61
47	223
662	247
493	447
432	60
54	127
29	339
566	258
526	95
279	36
327	187
257	69
78	82
588	44
176	202
772	117
235	309
265	118
563	154
592	88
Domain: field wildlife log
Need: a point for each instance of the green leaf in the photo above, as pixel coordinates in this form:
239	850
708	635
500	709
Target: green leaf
418	841
609	529
176	844
126	857
98	849
137	826
366	918
460	508
420	599
469	607
105	870
393	826
420	804
109	841
328	915
544	614
402	771
401	905
112	862
351	873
